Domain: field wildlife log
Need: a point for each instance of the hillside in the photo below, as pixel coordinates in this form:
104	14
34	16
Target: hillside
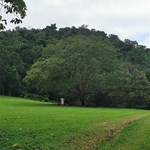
80	64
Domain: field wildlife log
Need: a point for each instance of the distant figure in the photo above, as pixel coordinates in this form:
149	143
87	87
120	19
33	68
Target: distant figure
62	101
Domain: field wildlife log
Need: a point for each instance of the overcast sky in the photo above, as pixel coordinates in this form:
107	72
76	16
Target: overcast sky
126	18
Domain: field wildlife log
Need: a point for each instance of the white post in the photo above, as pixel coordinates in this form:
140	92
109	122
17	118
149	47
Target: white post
62	101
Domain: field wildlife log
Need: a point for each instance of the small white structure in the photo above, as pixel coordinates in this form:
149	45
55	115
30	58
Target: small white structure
62	101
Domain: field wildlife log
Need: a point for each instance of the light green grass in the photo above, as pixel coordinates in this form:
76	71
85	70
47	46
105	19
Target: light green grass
38	125
133	137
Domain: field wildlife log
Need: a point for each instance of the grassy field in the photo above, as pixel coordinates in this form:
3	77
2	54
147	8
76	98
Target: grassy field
32	125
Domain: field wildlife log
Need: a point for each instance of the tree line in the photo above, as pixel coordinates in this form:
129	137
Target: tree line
85	66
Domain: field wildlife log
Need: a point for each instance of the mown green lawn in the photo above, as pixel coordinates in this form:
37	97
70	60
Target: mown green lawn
32	125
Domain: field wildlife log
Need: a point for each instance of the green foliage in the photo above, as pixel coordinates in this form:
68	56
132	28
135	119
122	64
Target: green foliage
16	56
84	66
74	68
16	7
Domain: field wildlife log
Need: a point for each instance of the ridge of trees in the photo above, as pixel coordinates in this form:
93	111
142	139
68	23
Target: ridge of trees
85	66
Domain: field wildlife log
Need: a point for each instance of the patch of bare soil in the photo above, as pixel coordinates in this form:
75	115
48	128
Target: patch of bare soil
100	133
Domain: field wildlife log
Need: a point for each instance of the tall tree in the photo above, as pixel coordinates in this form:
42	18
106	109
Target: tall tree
74	66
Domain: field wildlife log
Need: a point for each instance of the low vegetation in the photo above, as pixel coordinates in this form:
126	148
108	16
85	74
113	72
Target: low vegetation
33	125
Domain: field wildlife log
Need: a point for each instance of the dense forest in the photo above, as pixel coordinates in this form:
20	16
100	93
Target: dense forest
85	66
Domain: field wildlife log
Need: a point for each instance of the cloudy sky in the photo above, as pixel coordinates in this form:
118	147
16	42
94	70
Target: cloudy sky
126	18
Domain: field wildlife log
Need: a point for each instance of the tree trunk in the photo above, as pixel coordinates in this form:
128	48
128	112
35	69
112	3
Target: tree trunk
81	95
3	90
82	100
9	91
3	85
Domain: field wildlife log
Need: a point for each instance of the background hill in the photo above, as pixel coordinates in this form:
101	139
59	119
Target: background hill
85	66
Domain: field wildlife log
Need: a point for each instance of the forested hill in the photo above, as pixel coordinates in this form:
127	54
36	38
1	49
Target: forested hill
85	66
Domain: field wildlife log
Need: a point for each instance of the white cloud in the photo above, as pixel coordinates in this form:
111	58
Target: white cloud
126	18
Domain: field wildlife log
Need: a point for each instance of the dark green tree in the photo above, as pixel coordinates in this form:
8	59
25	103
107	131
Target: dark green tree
75	67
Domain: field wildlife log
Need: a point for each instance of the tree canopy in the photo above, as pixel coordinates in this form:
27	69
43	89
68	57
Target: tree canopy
16	7
86	67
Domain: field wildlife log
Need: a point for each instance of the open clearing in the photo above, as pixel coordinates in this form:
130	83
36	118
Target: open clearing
32	125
